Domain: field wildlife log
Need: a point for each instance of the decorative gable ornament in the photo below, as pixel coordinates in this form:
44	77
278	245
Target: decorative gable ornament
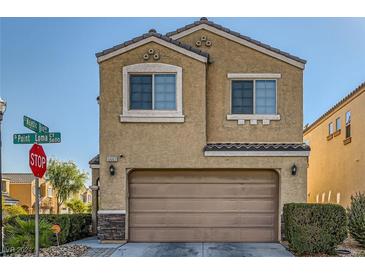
151	52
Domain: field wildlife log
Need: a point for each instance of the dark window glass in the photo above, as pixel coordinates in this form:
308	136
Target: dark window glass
141	91
348	131
265	97
242	97
165	91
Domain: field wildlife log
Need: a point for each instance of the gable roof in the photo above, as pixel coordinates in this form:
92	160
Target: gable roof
351	95
19	177
152	36
204	23
95	160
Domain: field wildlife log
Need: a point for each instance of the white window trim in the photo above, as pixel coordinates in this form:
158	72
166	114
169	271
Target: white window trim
172	116
253	118
251	76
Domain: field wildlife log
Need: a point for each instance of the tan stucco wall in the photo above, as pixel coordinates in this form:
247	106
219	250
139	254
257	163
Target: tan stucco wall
180	145
230	57
24	193
333	166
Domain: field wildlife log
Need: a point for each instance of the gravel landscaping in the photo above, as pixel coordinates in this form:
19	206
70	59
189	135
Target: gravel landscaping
58	251
352	246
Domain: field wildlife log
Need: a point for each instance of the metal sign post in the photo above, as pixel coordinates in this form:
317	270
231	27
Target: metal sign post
37	159
36	217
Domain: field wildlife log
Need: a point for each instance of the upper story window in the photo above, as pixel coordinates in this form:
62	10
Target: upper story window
338	124
49	192
330	128
152	92
253	97
348	124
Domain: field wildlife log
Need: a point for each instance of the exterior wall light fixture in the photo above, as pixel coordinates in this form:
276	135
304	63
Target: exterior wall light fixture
294	170
112	170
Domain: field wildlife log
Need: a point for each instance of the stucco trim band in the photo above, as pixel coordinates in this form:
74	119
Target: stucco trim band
94	166
240	41
253	75
256	153
155	40
111	211
253	118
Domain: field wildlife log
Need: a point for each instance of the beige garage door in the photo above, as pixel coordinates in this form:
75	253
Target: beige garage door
203	206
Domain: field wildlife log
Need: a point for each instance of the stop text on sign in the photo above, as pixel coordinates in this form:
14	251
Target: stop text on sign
38	161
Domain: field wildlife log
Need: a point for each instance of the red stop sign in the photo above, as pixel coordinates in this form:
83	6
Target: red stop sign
37	160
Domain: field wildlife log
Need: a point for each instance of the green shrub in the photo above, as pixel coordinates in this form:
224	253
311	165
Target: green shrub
14	210
314	228
356	215
20	235
73	226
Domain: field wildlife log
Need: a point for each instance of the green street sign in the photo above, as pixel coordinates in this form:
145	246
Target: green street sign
35	125
48	138
31	138
24	138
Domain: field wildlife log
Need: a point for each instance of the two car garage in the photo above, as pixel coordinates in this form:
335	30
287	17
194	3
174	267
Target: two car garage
203	205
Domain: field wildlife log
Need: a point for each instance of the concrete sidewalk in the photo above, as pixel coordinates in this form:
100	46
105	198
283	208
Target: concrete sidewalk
183	249
202	250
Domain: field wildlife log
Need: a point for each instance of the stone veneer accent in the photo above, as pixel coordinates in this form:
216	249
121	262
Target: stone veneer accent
111	227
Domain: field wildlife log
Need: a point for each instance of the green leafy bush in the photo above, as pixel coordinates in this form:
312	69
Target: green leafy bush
14	210
356	215
73	226
20	235
314	228
76	205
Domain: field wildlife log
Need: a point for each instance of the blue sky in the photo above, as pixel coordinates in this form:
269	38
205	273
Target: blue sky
49	72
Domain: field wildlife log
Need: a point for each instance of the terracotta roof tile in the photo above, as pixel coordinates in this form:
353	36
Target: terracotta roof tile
256	147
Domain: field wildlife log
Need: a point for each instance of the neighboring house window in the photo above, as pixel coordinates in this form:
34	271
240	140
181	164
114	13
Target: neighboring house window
348	124
152	92
338	123
49	192
330	128
253	97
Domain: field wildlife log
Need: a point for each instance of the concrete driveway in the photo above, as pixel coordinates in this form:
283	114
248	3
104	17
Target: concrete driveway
201	250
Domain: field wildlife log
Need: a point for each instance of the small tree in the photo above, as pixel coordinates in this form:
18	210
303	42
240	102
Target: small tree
65	178
356	215
76	205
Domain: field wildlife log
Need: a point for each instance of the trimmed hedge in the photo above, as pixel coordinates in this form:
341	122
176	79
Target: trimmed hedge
73	226
314	228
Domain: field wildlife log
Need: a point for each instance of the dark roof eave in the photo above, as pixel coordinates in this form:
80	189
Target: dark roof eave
157	35
95	160
212	24
342	101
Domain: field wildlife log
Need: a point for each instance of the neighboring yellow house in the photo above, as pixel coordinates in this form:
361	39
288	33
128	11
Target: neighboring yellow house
21	186
201	137
337	160
84	195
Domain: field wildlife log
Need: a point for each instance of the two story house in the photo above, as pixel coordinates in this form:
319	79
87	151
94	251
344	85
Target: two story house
21	187
337	160
200	137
